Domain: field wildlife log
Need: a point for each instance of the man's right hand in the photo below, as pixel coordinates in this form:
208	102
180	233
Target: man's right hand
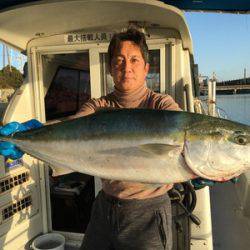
201	183
8	149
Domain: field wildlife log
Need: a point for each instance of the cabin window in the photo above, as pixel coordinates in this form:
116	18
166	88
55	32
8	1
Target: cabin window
153	77
69	89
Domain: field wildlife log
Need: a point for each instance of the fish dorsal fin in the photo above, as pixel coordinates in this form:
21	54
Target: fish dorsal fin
158	148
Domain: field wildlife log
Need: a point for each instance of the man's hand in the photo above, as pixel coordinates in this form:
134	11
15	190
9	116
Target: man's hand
201	183
8	149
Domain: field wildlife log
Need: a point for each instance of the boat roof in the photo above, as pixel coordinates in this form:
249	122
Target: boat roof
236	6
40	19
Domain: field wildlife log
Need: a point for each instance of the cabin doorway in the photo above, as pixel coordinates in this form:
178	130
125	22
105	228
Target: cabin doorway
67	84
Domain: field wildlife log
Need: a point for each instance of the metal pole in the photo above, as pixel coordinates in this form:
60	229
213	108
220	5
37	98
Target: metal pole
214	98
209	91
211	97
189	98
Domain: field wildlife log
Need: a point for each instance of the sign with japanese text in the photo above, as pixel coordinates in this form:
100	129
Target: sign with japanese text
88	37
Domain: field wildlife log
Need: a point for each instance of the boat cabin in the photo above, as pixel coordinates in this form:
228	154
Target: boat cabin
66	45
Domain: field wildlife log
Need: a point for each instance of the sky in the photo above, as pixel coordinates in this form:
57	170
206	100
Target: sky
17	59
221	44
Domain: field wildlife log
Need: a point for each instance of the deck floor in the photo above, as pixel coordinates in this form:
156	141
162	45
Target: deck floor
231	229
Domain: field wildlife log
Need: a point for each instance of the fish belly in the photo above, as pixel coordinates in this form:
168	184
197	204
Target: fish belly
121	160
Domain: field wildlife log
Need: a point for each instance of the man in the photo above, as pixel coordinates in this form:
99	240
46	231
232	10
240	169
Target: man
128	215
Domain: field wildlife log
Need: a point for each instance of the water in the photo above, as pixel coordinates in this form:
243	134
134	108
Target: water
236	107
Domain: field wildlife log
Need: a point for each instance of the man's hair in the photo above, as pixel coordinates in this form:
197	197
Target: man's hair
133	35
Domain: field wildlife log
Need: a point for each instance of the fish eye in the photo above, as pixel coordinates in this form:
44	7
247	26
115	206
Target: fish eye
241	140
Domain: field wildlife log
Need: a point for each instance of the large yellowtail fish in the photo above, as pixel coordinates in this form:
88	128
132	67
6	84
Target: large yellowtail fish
151	146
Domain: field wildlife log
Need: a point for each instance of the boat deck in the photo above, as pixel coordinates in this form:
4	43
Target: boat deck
231	229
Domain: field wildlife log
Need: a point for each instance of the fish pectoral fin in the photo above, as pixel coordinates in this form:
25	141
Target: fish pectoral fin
57	171
158	148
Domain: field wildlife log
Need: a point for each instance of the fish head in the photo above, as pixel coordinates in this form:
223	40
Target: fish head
218	149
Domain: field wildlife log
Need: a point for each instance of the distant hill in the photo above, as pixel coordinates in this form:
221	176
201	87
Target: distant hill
10	78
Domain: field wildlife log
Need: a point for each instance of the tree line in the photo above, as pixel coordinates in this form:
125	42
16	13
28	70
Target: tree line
10	77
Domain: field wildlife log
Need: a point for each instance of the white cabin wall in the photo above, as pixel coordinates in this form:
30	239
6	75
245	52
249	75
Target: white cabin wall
28	221
201	236
21	100
178	87
187	81
179	81
168	68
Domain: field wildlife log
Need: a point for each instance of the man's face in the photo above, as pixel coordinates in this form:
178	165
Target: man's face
128	67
